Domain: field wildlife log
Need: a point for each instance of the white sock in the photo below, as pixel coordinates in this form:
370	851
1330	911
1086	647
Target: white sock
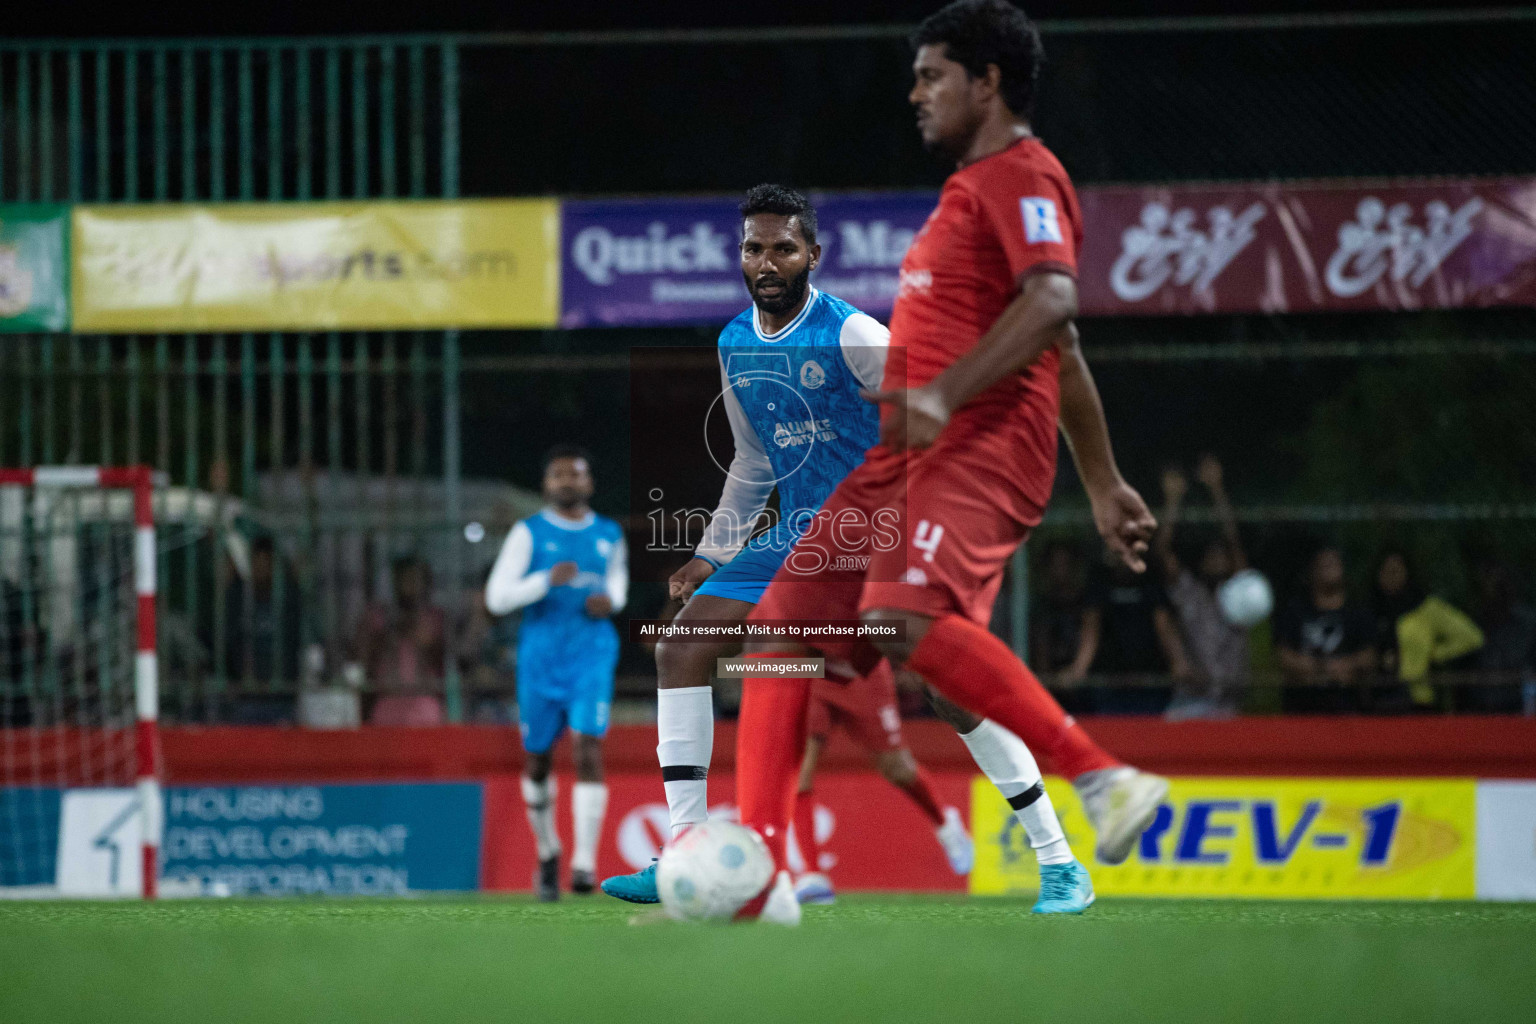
1005	759
589	802
685	733
539	801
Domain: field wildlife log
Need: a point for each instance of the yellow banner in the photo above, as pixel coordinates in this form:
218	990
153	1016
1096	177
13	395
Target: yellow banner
1259	838
317	266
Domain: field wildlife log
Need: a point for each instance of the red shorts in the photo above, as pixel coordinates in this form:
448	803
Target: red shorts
864	707
929	533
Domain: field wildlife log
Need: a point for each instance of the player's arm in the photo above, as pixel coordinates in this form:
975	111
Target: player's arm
511	586
1122	518
1044	307
865	342
615	592
748	484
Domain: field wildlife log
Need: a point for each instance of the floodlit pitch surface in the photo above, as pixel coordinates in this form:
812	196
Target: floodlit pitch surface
866	959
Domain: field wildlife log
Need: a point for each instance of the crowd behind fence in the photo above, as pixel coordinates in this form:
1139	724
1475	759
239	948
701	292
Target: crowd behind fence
312	472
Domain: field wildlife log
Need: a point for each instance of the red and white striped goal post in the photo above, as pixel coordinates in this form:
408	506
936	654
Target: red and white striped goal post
146	690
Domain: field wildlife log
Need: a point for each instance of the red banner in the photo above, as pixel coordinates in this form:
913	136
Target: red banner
1293	248
872	835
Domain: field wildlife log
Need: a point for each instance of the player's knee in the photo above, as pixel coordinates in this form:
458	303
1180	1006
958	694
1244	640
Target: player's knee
898	767
537	767
679	664
898	648
948	711
587	751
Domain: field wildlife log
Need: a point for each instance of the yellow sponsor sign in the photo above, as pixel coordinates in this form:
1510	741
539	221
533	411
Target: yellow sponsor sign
317	266
1260	838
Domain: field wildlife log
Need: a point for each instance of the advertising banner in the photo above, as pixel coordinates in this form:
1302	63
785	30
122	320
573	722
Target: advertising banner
1299	247
34	268
1506	840
670	261
316	266
1188	249
872	835
1261	839
371	840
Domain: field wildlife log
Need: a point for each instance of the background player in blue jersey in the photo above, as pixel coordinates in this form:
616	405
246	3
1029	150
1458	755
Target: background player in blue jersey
791	369
567	568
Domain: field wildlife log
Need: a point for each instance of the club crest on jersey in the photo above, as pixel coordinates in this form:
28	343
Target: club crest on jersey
812	375
1040	221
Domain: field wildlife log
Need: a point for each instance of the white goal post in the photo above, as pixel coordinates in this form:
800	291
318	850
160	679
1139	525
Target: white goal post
80	731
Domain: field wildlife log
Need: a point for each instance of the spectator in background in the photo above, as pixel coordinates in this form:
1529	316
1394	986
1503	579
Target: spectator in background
256	648
1415	631
401	649
1129	630
1326	643
1214	659
1508	653
1062	642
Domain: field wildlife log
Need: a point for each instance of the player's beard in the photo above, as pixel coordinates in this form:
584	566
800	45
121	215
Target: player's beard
789	298
566	499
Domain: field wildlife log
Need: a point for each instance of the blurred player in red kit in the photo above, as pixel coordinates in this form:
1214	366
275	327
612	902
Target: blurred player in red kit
864	707
984	362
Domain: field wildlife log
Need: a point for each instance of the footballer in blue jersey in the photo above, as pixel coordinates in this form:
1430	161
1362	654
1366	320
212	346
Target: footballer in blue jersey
567	570
792	367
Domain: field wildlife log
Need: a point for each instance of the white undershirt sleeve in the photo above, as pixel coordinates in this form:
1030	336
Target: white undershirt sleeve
511	586
618	575
865	342
748	485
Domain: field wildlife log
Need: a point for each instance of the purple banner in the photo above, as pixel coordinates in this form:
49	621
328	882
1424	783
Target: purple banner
1309	246
1264	248
660	262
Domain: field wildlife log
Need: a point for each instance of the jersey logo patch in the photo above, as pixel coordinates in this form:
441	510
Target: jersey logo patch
812	375
1040	221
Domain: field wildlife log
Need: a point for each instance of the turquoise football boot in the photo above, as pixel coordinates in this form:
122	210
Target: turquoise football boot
1064	889
639	887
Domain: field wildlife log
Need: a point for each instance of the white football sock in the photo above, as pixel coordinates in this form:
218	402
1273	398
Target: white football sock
685	733
589	802
539	801
1005	759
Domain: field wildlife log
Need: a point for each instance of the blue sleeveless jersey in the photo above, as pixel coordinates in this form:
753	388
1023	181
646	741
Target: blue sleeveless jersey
803	402
557	639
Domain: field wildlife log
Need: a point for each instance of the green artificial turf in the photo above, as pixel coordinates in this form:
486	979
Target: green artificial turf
869	958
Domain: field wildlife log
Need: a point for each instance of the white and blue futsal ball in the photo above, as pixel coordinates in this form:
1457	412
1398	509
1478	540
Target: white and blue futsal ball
1246	598
713	870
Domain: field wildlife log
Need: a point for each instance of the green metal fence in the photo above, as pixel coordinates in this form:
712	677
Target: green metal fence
234	417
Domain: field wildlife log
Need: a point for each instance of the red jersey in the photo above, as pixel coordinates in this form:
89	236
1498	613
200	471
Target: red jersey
999	220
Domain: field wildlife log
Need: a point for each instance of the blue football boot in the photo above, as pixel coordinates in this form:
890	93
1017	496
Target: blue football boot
639	887
1064	889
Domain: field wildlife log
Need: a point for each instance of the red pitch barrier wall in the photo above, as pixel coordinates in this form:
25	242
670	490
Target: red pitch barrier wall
874	837
1483	747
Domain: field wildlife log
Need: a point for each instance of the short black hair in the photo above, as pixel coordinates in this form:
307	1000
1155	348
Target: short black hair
785	202
566	451
975	33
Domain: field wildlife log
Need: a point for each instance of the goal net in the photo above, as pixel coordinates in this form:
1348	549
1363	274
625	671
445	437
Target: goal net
80	804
